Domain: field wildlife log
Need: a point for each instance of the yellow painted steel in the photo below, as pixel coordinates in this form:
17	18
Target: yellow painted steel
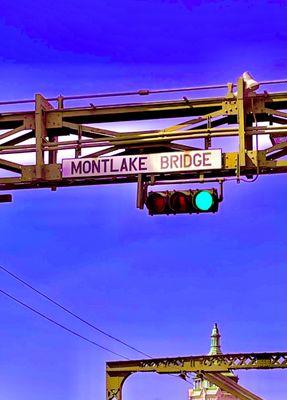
232	116
118	371
243	115
229	385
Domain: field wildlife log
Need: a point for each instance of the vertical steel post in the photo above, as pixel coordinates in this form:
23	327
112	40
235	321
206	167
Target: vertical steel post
241	121
78	149
245	143
40	133
53	153
114	385
41	105
141	192
207	140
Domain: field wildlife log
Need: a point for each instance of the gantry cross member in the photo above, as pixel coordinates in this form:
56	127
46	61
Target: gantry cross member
52	127
211	367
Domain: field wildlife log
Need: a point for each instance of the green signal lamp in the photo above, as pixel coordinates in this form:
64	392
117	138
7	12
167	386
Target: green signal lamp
206	200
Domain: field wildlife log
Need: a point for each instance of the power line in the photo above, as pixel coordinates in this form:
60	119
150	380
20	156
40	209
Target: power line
60	325
76	316
73	314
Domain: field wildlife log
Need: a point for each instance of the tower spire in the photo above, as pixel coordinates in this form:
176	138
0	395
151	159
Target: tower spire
215	341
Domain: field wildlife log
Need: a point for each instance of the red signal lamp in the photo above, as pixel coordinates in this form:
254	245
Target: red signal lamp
156	202
179	202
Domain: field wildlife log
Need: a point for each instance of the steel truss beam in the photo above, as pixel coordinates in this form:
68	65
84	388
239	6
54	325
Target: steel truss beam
43	134
210	366
227	384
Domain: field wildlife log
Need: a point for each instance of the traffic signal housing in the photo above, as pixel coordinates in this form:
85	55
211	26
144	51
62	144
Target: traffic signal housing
5	198
182	202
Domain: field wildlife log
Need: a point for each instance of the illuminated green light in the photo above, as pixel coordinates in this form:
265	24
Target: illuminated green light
204	200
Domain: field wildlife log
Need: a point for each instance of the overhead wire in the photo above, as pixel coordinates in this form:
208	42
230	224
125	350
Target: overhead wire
79	318
73	314
61	325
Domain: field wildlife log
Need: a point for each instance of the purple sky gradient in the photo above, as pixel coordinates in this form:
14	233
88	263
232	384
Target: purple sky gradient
158	283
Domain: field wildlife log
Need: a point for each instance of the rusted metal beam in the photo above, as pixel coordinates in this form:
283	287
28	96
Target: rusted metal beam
10	166
207	118
12	132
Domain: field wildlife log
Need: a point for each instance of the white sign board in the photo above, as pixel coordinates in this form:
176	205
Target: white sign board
199	160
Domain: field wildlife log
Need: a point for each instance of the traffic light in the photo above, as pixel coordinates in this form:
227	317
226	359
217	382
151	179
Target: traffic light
182	202
5	198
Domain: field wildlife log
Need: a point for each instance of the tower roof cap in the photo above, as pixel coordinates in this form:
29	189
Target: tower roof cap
215	341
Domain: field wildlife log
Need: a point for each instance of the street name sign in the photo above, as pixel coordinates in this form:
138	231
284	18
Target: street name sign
195	160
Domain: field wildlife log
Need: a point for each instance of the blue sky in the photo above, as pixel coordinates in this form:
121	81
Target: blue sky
158	283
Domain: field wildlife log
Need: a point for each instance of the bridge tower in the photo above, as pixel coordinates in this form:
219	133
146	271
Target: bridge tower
204	390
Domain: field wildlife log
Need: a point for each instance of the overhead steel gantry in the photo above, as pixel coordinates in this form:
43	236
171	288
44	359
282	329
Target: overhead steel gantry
52	127
47	131
211	368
